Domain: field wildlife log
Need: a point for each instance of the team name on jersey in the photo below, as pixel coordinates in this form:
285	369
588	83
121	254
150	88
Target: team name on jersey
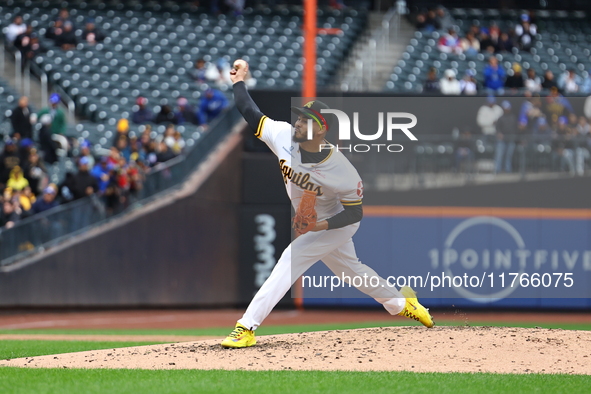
300	179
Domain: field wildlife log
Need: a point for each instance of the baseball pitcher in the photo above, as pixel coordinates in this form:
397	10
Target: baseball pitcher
326	192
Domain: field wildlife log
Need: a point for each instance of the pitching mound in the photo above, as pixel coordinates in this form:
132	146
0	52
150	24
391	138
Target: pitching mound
441	349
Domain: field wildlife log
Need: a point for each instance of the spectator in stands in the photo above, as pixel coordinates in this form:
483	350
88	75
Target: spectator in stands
58	123
35	172
85	152
427	22
494	33
443	19
23	38
494	76
212	104
9	215
16	179
16	28
142	115
421	24
468	84
525	33
449	85
582	153
464	152
64	192
557	105
55	30
166	115
122	146
67	39
164	153
533	83
470	45
562	146
515	82
219	74
569	82
114	156
174	140
102	172
488	115
26	200
84	184
46	202
32	49
48	146
549	81
198	72
486	43
583	127
168	136
541	129
431	18
432	83
506	127
449	43
91	35
26	147
20	118
185	112
9	159
505	43
237	6
64	16
122	130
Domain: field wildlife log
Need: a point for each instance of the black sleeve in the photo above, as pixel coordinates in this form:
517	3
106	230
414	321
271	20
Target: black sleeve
350	215
247	106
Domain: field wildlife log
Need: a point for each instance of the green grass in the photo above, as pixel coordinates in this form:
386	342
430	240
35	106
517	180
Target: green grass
271	330
38	381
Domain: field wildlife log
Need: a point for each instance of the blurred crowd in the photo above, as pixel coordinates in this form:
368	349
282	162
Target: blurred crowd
537	121
498	81
115	175
478	39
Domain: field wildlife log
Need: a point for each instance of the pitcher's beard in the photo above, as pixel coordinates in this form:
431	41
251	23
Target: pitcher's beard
299	139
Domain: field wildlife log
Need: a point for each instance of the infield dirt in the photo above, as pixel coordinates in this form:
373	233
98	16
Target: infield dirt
441	349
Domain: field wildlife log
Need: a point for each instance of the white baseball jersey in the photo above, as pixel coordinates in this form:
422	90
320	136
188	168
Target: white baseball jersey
334	179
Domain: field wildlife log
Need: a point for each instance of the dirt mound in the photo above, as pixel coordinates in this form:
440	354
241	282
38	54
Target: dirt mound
441	349
105	337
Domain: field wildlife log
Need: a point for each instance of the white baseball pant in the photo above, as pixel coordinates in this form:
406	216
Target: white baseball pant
335	248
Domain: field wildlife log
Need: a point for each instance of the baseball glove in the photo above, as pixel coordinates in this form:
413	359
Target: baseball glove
305	216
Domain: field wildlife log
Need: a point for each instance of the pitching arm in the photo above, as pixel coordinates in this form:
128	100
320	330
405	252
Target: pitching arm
247	106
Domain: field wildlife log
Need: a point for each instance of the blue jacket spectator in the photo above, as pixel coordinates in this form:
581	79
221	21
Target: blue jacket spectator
494	75
101	172
185	112
143	115
212	104
46	202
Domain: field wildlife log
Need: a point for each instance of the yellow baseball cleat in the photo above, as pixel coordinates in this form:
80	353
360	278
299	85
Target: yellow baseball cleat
240	337
413	309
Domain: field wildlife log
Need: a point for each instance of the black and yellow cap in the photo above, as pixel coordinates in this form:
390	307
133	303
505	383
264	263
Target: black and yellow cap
312	110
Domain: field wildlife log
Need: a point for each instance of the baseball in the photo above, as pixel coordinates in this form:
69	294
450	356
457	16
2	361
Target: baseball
239	63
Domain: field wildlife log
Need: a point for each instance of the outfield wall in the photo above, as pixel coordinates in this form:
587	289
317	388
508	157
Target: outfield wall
183	253
494	244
